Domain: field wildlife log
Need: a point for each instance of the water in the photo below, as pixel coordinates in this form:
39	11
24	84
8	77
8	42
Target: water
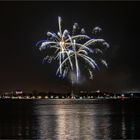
35	119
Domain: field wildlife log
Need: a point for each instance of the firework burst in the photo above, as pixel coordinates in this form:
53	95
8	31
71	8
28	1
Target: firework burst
71	50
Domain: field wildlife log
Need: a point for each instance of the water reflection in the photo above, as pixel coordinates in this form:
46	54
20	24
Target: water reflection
123	128
73	122
17	120
38	120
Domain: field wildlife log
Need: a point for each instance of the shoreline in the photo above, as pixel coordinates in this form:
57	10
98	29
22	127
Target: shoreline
71	101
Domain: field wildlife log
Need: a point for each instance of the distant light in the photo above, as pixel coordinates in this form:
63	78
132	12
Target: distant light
19	92
98	91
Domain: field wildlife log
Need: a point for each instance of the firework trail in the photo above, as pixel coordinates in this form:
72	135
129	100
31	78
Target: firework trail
70	49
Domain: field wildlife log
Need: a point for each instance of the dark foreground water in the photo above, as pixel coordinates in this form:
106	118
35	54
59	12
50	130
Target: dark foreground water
35	119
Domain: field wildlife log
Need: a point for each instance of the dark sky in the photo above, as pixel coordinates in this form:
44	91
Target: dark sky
23	24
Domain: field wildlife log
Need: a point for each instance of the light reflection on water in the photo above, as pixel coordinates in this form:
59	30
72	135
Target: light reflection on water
37	119
74	122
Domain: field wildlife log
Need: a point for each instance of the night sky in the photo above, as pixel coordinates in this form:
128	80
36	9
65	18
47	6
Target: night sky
23	24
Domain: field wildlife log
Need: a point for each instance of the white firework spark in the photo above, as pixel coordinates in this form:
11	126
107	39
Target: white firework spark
79	52
69	49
